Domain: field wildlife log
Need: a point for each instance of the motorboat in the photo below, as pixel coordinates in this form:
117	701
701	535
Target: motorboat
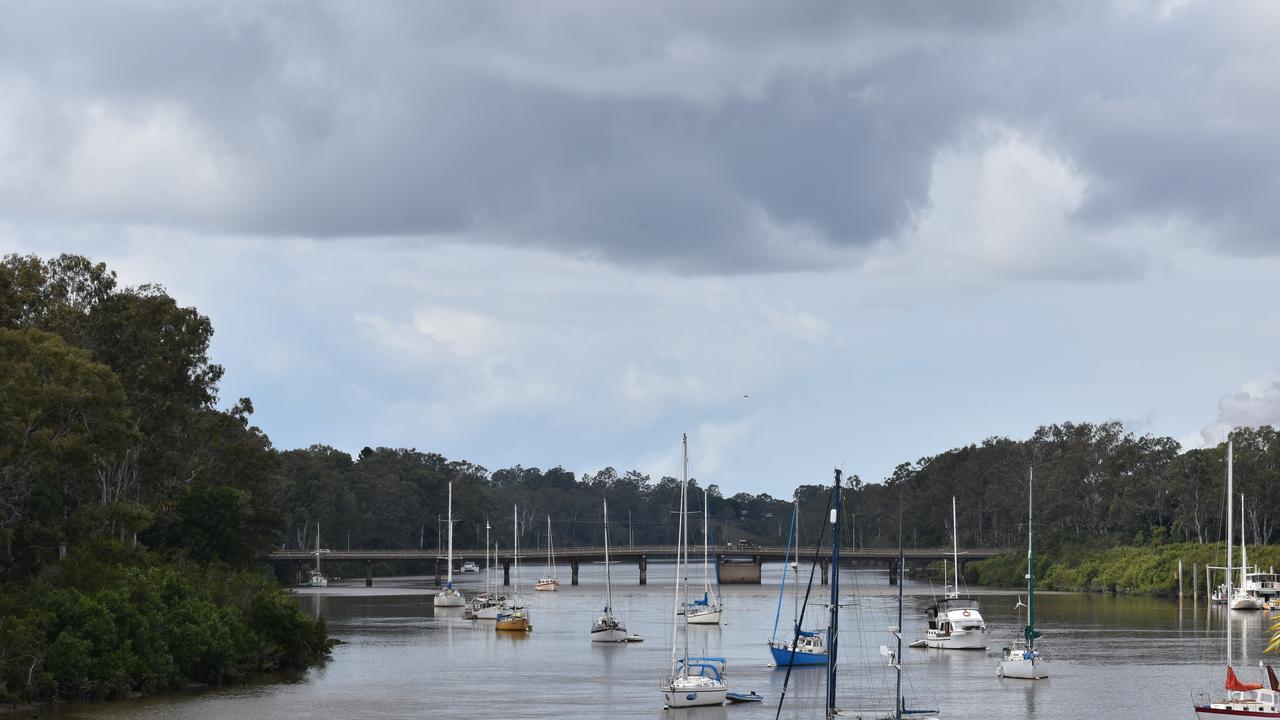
470	567
955	623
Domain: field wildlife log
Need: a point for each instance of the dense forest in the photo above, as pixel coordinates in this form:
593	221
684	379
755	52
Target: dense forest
135	512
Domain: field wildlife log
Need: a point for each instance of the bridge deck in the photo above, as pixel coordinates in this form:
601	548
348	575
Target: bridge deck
568	554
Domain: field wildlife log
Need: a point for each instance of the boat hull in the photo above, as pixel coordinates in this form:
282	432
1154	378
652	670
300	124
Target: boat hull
486	613
608	634
694	697
1021	669
517	624
1205	712
708	617
449	598
782	657
547	585
958	640
1246	603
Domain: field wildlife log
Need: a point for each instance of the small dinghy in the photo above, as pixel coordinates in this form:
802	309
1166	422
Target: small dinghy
738	697
634	638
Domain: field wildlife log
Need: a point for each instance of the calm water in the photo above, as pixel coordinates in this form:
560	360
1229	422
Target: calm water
1112	657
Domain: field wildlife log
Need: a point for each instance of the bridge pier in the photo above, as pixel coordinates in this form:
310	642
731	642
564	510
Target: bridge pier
742	572
368	573
826	566
573	567
437	566
893	572
644	569
506	573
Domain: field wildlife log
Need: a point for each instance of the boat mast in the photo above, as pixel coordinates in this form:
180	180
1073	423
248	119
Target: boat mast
1030	632
684	523
786	565
515	542
317	546
608	579
1244	549
955	548
450	558
488	567
551	551
706	574
897	657
675	594
833	622
1230	519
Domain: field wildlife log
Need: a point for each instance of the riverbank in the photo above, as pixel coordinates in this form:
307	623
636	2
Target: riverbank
1148	569
112	621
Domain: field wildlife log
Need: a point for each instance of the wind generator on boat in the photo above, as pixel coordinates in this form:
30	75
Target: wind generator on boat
449	596
1022	659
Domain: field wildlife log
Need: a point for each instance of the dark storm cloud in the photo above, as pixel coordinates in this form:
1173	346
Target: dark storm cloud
713	137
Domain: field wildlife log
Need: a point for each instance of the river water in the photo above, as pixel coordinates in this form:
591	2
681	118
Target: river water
1112	657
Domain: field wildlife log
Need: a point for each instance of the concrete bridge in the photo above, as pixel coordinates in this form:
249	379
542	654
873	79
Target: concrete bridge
739	564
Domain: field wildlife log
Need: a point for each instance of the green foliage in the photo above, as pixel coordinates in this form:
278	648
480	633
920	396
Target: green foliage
111	620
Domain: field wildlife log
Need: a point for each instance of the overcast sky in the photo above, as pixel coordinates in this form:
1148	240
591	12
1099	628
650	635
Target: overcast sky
561	233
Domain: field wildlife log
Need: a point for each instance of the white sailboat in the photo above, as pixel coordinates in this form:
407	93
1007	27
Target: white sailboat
549	581
609	627
707	609
487	604
1243	598
692	681
1021	659
1242	699
449	596
316	578
514	616
955	623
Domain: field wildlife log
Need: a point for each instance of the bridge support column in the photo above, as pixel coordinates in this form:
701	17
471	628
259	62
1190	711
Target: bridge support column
506	573
893	572
644	569
826	566
368	573
573	567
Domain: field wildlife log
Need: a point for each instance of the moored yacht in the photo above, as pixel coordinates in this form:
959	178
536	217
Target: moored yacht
1021	659
1243	699
549	581
955	623
449	596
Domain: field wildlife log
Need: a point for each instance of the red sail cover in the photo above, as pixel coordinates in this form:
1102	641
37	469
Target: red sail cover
1235	685
1271	678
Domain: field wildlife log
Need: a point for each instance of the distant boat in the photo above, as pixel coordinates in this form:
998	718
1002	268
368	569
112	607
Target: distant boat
1022	659
315	578
1244	598
955	623
802	647
489	603
470	567
549	581
514	616
692	681
707	609
609	627
1243	699
449	596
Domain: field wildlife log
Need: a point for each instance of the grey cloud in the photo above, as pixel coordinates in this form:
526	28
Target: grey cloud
687	137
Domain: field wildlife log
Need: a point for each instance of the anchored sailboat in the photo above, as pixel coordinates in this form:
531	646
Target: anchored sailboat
549	581
692	681
449	596
487	604
608	627
1021	659
514	616
707	609
804	647
1243	598
317	578
955	623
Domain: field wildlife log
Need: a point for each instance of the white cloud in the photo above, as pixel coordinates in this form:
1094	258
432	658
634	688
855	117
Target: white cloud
1257	403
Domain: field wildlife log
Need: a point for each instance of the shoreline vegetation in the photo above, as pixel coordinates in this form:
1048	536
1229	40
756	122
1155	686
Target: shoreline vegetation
136	510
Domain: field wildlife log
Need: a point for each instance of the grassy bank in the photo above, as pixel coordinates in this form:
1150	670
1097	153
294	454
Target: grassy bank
1150	569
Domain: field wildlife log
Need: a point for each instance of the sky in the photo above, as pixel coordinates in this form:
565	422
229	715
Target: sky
809	235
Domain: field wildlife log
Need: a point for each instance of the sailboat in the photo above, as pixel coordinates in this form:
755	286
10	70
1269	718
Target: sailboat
449	596
608	627
1243	598
1022	659
692	681
955	623
549	581
487	604
705	610
1243	699
805	647
514	616
317	578
895	655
